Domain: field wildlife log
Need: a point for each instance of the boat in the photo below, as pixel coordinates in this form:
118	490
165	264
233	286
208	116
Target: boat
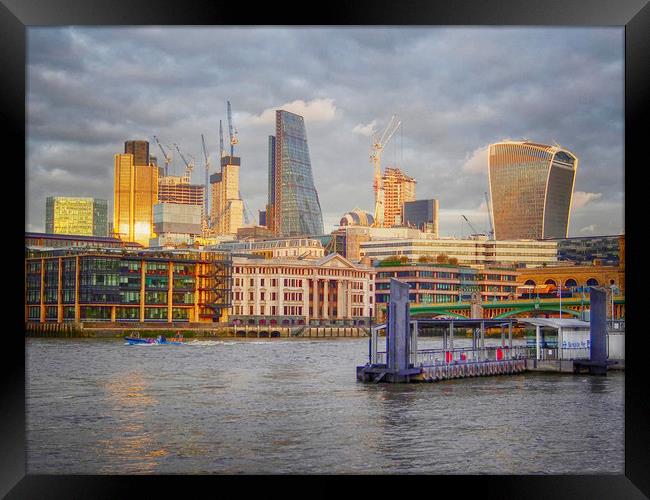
160	340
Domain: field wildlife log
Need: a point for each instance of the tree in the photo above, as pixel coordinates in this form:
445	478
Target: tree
442	258
403	259
453	261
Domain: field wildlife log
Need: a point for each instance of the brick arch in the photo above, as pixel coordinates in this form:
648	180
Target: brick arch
572	279
594	282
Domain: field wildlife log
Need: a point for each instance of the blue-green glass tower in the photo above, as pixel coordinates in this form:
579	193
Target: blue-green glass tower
294	208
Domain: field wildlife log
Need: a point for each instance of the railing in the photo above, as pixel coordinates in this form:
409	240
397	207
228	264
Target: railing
440	356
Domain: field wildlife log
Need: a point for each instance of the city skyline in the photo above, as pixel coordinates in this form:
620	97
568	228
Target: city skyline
547	84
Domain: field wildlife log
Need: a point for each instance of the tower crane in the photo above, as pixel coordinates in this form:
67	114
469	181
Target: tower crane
206	203
188	165
489	209
378	145
470	224
222	151
232	132
166	156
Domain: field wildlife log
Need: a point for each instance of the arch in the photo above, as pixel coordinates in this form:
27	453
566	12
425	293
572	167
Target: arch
275	334
570	283
530	283
264	334
592	282
550	281
251	334
241	333
514	312
434	314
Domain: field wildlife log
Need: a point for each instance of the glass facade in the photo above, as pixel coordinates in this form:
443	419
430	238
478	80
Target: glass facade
296	208
531	186
78	216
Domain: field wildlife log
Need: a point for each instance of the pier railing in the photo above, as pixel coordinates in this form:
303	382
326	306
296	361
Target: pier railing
441	356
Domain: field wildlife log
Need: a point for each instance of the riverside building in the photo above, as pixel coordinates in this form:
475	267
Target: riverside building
120	285
531	188
302	248
444	283
293	207
76	216
292	292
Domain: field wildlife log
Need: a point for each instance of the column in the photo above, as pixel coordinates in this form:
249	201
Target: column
339	299
59	294
196	294
76	289
314	301
142	288
170	286
305	300
326	300
280	298
537	342
42	320
348	298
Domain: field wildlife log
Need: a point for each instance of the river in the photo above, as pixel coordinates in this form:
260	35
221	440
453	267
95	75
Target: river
290	406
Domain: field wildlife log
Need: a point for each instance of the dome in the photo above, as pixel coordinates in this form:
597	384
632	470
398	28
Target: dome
357	217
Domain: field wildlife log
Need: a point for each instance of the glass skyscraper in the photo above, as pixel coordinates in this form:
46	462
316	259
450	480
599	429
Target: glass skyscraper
82	216
294	209
531	188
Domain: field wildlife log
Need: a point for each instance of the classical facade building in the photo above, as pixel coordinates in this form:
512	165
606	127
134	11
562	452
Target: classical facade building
572	276
293	207
531	188
292	292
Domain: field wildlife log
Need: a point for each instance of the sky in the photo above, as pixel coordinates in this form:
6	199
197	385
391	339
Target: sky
455	90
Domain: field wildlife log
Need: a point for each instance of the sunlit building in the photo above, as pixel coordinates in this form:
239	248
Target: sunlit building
357	217
293	207
135	193
398	189
126	286
531	188
76	216
226	207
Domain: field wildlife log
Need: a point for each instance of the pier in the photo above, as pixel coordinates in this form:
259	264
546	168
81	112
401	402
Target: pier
578	346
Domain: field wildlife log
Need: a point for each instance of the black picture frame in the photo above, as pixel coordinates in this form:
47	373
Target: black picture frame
16	15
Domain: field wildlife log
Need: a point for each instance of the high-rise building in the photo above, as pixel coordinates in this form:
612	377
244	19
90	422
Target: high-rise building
531	187
294	208
422	214
398	189
227	208
135	194
81	216
178	190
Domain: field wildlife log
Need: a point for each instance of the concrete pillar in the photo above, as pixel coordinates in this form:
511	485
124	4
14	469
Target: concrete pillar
305	300
315	304
170	289
537	340
598	326
59	294
397	339
510	339
339	299
142	288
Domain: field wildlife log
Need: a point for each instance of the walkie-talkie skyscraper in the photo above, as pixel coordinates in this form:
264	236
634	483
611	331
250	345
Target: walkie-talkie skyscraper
293	209
531	187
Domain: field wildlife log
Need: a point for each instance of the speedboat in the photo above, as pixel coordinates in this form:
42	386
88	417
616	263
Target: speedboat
160	340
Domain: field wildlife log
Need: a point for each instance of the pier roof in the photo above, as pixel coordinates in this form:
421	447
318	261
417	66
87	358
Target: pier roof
555	322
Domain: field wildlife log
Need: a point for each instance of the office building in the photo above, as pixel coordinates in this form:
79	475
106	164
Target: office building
124	285
398	189
294	208
303	248
44	240
175	223
76	216
531	188
135	193
289	291
475	251
444	283
423	215
226	208
605	250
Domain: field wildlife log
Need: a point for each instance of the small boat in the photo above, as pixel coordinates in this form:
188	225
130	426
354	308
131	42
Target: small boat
160	340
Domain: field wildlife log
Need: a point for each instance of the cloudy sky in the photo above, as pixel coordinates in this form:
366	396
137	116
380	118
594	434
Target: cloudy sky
456	90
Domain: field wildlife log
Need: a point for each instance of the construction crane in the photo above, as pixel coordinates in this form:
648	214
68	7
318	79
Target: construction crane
188	165
470	224
206	203
166	156
488	206
222	151
232	132
246	211
378	145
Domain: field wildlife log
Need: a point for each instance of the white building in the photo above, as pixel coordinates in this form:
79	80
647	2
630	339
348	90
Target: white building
330	290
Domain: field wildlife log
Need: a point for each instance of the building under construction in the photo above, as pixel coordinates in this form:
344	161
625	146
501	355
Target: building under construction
172	189
227	208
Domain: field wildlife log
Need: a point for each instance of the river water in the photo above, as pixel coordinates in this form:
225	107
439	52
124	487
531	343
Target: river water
294	406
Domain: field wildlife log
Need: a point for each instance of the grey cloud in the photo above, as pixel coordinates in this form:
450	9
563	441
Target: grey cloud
455	89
